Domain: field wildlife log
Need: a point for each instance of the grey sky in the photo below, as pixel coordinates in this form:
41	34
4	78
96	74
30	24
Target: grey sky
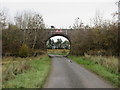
62	13
59	37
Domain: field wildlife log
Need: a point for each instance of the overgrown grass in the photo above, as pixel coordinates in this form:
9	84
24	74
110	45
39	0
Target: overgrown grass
58	51
100	70
34	77
110	62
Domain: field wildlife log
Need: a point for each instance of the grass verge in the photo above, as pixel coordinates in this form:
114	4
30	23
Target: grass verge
32	78
98	69
58	51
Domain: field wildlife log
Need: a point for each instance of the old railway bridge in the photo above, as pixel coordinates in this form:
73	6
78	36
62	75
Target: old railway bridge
58	32
67	33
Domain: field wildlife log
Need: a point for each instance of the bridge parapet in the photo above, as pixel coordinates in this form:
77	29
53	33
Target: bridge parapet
57	31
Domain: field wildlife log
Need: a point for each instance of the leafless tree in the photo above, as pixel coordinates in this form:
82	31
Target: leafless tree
3	19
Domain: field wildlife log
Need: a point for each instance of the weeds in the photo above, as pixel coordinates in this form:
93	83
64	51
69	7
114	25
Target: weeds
97	65
26	72
10	70
58	51
110	63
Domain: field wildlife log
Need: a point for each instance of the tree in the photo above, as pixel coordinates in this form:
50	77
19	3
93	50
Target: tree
49	44
66	45
31	24
38	24
58	44
25	31
100	39
3	19
78	24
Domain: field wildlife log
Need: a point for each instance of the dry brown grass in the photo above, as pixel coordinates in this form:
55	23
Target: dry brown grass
6	60
10	70
58	50
11	66
110	62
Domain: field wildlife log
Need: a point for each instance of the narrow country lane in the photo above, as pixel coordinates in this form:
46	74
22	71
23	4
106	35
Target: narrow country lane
66	74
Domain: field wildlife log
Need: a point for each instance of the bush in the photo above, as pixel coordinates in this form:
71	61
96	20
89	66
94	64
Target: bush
24	51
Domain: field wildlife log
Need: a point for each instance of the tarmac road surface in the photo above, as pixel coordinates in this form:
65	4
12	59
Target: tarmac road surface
68	74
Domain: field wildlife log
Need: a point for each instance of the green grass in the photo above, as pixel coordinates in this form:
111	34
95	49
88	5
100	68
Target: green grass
98	69
34	77
59	53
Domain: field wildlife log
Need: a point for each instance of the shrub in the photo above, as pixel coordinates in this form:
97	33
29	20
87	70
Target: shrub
24	51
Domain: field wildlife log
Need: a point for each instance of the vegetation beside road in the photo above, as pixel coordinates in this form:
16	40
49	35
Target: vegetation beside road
28	72
25	37
58	51
104	67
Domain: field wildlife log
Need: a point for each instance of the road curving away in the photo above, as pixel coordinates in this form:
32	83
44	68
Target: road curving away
68	74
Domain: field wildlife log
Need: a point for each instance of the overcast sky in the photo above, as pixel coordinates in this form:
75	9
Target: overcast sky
62	13
59	37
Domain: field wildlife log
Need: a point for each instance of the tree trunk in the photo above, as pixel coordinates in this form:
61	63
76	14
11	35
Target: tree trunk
35	38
